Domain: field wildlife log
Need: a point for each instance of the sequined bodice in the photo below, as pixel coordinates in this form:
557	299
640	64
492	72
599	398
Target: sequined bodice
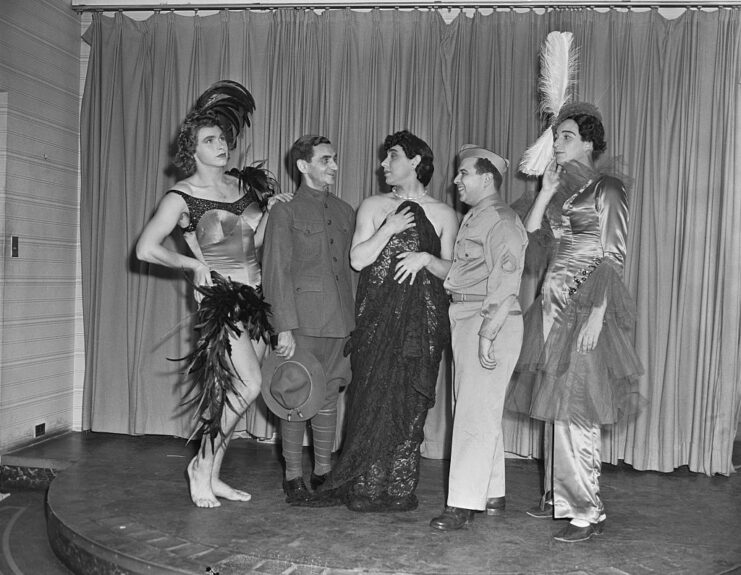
225	234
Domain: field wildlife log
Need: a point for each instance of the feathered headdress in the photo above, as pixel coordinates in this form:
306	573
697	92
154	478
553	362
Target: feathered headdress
231	103
557	71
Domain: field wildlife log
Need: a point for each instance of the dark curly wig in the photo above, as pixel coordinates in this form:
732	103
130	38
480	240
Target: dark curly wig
413	146
589	123
188	139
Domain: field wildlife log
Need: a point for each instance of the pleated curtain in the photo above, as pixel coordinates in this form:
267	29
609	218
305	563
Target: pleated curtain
669	93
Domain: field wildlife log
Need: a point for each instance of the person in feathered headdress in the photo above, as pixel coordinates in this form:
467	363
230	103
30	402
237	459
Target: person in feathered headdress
222	216
558	65
577	334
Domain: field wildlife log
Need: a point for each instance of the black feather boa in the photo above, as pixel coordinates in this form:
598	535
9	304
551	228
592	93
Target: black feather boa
227	308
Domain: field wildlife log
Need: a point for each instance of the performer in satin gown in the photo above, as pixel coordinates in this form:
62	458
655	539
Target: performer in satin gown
222	217
403	245
578	334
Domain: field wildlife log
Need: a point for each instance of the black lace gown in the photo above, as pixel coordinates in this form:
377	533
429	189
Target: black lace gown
401	331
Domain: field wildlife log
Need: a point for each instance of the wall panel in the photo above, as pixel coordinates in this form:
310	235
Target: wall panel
39	203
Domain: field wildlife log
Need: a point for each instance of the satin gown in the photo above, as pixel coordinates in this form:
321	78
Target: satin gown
581	391
599	386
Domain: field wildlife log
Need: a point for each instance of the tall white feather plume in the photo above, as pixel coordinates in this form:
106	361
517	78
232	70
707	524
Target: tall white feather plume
557	73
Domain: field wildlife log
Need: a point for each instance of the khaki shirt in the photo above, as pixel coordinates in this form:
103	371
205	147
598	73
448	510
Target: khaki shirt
488	260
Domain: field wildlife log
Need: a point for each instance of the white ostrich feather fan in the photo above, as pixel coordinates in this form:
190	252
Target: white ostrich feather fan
557	74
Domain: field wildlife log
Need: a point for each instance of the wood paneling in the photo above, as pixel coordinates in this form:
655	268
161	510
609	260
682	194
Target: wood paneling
40	328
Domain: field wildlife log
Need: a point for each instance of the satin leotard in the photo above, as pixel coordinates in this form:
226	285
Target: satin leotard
225	236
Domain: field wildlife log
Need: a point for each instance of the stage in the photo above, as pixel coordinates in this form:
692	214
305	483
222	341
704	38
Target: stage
119	504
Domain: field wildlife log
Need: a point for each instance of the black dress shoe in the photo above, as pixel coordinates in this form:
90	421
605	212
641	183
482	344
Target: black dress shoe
316	481
495	506
295	490
573	534
328	498
452	518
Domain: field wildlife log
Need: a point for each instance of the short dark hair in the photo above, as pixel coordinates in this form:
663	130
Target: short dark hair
590	130
188	139
303	148
484	166
413	146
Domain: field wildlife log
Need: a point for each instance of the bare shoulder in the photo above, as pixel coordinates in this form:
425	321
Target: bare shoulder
448	210
183	186
441	214
378	203
374	210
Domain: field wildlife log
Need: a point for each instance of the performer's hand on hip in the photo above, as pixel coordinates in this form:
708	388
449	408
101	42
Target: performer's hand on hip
201	277
286	344
486	353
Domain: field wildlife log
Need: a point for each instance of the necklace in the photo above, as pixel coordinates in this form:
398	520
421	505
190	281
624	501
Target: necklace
408	198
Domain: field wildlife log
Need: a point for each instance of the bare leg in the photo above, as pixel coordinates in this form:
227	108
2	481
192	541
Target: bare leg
199	475
204	468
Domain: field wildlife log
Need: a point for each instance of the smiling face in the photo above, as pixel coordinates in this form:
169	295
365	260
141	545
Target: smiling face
212	149
397	168
471	185
321	171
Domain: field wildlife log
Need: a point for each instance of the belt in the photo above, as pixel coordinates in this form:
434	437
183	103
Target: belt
460	297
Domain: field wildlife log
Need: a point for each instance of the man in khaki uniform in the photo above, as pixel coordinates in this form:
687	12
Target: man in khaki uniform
486	329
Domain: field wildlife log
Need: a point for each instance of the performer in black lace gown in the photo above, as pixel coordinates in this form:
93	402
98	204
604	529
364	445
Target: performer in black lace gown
222	216
402	245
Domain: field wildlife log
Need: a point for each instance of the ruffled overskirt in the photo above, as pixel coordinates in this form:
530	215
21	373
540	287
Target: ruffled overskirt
556	382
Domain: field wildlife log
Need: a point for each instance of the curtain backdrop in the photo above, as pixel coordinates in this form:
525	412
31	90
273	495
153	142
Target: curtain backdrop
668	90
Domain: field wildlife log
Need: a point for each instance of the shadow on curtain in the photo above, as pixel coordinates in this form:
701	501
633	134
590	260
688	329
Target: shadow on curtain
669	92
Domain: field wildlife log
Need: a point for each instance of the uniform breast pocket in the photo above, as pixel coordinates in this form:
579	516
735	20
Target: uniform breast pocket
471	250
307	239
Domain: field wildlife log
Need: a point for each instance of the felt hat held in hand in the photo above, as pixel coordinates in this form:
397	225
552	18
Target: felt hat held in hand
294	389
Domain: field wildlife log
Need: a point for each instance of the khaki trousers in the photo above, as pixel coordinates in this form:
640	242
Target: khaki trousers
477	453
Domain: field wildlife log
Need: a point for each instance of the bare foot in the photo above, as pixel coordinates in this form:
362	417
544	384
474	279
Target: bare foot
221	489
200	486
